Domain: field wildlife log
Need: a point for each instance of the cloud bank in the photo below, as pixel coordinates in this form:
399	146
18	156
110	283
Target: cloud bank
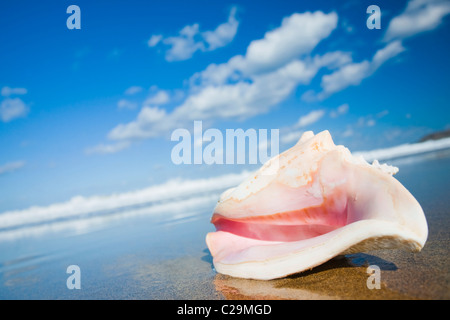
246	85
267	73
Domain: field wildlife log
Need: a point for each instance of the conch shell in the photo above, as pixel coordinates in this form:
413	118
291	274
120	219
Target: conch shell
307	205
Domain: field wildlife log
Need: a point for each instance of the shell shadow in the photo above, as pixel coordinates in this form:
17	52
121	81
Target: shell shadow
339	262
365	260
348	261
343	277
208	257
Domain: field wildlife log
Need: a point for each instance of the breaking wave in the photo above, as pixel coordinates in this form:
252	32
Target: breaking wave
404	150
170	201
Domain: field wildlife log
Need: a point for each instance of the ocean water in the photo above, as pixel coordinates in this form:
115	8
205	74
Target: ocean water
156	249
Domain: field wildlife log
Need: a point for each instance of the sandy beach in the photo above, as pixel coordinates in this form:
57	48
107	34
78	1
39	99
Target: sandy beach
149	257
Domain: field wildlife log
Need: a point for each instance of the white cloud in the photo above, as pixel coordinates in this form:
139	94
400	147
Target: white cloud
419	16
218	74
347	133
223	34
11	166
190	39
342	109
245	99
183	46
291	137
154	40
297	35
11	109
382	114
8	91
126	104
160	97
133	90
108	148
151	122
370	120
310	118
386	53
352	74
292	133
333	60
349	75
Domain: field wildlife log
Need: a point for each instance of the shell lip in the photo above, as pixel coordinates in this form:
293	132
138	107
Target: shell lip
298	256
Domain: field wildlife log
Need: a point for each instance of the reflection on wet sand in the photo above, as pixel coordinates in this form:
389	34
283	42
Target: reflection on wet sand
193	277
19	271
344	277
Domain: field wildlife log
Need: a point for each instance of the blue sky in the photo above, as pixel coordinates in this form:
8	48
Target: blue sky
91	111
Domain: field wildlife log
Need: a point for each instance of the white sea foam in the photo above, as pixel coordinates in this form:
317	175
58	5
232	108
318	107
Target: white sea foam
404	150
79	213
174	199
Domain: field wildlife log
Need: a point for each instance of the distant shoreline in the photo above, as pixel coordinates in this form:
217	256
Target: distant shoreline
436	135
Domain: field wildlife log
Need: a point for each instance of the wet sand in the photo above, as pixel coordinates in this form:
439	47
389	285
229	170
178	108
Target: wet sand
144	259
